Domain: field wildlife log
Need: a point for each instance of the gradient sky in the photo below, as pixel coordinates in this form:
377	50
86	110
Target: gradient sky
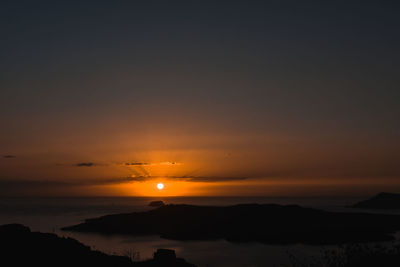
274	98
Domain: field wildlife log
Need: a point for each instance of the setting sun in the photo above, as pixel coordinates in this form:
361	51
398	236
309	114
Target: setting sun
160	186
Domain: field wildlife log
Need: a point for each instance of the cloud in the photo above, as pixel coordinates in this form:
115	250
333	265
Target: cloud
164	163
15	187
17	183
85	164
169	163
7	184
9	156
137	178
207	179
186	178
89	164
130	164
107	181
137	163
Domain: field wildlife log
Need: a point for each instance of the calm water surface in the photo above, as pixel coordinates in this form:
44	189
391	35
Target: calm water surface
50	214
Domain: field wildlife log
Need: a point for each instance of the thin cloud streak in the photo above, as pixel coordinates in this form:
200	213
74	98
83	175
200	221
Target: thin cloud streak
85	164
168	163
136	164
208	179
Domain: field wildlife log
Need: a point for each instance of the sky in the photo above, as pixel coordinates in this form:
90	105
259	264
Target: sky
230	98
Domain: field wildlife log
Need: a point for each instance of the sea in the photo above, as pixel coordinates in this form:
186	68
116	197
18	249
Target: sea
51	214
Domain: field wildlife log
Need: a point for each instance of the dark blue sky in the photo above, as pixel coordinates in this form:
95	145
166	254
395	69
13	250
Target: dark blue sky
315	76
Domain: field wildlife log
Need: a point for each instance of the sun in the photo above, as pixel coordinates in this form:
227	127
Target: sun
160	186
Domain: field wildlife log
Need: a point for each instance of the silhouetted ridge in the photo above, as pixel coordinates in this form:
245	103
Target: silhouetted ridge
267	223
21	247
157	203
380	201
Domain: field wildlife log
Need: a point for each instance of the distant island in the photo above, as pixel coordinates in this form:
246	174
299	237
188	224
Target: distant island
380	201
267	223
157	203
21	247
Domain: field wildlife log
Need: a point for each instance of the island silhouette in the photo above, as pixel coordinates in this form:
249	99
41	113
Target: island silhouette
21	247
384	201
265	223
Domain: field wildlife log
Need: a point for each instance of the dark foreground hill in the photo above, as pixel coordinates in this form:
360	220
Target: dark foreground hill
380	201
273	224
21	247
